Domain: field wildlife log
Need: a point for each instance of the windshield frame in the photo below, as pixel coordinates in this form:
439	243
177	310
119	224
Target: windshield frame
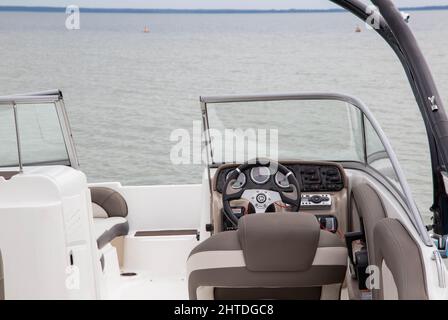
46	97
413	212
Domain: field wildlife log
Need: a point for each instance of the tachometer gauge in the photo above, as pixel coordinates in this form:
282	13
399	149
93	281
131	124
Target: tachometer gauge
281	180
240	181
260	175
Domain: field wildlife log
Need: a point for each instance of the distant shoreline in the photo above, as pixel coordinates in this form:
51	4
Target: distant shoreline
195	11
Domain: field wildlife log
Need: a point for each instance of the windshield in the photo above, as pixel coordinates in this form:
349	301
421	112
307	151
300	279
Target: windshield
40	136
286	130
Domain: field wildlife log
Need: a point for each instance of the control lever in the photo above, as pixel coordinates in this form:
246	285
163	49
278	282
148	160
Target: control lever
351	237
362	262
328	222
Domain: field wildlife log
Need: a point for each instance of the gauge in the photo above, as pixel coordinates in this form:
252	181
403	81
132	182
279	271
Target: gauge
240	181
281	180
260	175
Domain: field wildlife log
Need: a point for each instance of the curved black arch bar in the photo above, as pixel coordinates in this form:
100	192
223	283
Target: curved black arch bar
396	32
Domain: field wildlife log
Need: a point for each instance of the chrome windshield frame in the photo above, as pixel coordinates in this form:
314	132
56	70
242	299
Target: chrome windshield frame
412	210
49	97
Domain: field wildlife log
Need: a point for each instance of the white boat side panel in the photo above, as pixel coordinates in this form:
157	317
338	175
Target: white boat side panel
161	207
31	270
110	276
44	221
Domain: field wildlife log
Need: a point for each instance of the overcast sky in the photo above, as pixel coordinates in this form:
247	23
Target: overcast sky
205	4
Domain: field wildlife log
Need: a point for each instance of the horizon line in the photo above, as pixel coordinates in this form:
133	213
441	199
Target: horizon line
172	10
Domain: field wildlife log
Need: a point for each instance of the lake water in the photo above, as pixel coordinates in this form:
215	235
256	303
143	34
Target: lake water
126	90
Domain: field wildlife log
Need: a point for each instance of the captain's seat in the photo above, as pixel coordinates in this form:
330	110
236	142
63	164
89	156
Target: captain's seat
271	256
109	215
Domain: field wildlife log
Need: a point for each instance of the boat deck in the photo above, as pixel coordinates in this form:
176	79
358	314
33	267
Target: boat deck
144	287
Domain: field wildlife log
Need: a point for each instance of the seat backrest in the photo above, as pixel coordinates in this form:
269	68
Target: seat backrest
271	256
107	203
400	263
370	209
8	174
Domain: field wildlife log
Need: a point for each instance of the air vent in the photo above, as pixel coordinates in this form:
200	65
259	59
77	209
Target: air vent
311	179
332	179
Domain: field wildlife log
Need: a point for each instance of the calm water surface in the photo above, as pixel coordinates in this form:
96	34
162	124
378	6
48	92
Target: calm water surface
126	91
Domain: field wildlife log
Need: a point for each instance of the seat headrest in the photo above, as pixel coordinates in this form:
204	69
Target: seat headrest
110	200
279	242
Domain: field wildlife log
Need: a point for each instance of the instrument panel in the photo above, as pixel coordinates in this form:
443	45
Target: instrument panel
312	177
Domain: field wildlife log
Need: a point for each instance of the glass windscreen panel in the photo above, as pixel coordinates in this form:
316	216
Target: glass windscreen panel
8	142
286	130
41	138
377	157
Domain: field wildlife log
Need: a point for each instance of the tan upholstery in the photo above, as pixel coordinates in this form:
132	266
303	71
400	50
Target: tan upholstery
271	256
110	200
312	293
370	210
99	212
8	174
109	211
118	243
399	252
281	238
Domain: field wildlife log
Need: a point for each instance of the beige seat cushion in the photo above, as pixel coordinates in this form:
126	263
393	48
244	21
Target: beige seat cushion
110	201
109	212
269	267
399	252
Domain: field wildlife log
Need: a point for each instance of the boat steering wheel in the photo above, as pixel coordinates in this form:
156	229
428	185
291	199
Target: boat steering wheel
261	196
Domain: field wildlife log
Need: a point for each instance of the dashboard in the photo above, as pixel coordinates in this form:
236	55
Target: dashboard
313	177
324	190
323	186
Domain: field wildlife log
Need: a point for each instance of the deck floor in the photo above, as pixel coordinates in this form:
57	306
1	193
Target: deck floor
144	287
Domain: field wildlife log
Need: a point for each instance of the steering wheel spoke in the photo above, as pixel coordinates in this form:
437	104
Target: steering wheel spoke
261	199
232	194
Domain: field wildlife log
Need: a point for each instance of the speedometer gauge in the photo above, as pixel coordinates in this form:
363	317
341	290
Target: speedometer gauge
260	175
281	180
239	182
